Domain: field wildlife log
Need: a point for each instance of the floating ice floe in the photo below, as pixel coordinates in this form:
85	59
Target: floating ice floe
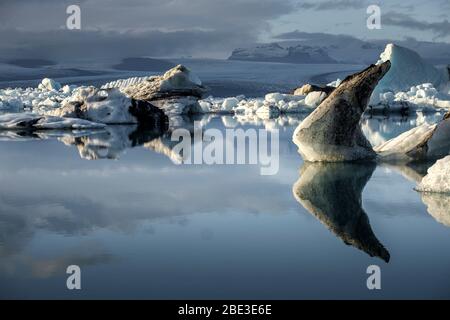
424	142
32	121
438	177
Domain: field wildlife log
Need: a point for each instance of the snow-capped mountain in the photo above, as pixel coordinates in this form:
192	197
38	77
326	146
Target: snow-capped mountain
274	52
328	48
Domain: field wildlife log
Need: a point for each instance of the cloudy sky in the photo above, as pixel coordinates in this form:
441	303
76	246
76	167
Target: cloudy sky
202	28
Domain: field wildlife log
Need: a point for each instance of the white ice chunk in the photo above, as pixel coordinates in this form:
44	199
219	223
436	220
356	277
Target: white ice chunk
274	97
268	112
229	103
438	177
49	84
313	99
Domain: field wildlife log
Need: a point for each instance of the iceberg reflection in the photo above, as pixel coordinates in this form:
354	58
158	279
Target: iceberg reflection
437	203
332	193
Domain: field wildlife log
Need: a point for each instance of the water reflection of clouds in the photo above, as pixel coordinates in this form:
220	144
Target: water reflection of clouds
84	255
46	187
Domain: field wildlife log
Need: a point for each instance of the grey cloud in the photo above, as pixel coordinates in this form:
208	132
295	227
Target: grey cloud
404	7
137	27
440	29
333	5
90	45
326	37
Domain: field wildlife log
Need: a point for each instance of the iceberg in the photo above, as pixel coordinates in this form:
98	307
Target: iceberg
175	92
332	132
109	106
178	81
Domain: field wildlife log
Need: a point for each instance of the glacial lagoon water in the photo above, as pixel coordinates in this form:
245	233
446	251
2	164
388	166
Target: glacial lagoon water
141	226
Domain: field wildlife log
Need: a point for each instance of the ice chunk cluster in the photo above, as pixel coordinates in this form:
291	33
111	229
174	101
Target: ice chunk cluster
438	177
423	97
271	105
48	95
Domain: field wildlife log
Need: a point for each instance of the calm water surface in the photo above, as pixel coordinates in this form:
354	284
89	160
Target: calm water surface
140	226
